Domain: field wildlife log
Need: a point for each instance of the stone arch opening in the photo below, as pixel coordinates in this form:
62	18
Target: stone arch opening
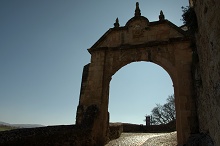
134	91
160	42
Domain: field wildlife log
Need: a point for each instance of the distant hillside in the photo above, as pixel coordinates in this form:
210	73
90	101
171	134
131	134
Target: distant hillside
3	123
27	125
5	127
15	126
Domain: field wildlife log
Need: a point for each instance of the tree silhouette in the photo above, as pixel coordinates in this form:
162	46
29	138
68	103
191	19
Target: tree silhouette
163	114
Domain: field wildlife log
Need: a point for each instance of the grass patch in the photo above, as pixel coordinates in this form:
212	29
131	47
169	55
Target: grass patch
5	128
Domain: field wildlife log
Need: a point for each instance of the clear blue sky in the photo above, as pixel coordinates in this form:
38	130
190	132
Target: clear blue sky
43	48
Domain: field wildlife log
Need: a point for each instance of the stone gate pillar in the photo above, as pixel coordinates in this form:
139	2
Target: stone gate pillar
92	111
186	115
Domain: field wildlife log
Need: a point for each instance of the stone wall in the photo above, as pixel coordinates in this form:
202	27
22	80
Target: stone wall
208	69
115	130
134	128
45	136
64	135
170	127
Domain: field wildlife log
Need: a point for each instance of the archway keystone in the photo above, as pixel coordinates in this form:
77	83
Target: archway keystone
160	42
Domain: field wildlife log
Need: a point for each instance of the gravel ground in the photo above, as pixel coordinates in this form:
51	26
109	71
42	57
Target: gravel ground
145	139
166	139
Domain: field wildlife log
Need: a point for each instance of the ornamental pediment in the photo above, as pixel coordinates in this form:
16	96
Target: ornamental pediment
138	30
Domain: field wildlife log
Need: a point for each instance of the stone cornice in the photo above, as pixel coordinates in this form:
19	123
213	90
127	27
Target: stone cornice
144	45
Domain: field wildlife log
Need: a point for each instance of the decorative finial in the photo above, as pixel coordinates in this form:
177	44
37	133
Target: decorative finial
161	16
137	10
116	24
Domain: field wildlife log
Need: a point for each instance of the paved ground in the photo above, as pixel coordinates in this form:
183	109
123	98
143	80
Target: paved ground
144	139
132	139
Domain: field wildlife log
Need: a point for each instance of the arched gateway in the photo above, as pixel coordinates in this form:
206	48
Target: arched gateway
160	42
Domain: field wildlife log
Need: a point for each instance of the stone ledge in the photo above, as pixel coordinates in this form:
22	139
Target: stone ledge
64	135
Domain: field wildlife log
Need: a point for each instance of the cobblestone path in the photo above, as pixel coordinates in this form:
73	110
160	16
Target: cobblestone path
132	139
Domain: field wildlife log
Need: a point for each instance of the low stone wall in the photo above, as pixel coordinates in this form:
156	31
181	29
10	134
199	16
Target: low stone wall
127	127
52	135
170	127
159	128
63	135
115	131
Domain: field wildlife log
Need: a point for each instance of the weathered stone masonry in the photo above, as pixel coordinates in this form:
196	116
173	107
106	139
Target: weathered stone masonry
160	42
208	67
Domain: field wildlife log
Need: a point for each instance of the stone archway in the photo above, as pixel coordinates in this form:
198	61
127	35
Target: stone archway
133	93
160	42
